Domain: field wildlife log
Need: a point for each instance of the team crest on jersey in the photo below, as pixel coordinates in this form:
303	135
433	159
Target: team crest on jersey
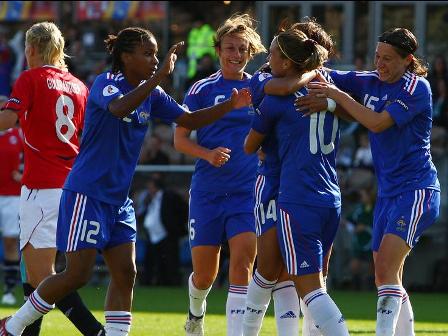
143	115
401	225
12	140
262	76
109	90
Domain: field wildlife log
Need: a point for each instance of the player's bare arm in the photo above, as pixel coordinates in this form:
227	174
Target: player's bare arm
124	105
375	122
217	157
205	116
8	118
283	86
253	141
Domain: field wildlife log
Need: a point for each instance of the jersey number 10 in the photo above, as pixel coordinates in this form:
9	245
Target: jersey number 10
317	133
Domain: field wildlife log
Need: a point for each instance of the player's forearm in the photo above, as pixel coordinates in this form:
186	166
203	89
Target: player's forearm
124	105
287	85
187	146
375	122
205	116
8	119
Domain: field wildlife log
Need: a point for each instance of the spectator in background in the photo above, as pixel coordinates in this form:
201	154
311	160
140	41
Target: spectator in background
152	152
363	154
7	61
438	71
165	221
11	152
361	264
200	43
206	67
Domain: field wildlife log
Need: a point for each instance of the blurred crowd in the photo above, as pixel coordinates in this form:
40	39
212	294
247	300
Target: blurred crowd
161	231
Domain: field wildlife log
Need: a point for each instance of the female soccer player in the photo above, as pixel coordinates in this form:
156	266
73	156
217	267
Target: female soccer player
221	203
397	112
271	276
49	103
95	211
309	196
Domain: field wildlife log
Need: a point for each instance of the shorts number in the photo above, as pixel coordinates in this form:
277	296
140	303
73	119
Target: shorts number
192	231
65	109
93	232
270	213
317	133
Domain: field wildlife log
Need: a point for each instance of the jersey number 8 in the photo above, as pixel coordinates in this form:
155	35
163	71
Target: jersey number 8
65	109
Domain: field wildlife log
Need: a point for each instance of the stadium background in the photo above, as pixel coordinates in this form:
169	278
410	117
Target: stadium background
354	26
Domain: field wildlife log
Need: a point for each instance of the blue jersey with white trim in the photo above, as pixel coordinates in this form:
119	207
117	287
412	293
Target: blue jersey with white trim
270	166
307	150
238	174
401	154
110	146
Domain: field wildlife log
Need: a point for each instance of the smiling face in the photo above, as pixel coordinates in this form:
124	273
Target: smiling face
233	53
389	64
142	62
276	60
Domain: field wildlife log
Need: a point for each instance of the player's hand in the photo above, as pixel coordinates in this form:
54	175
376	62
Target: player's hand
170	59
322	90
240	98
310	104
219	156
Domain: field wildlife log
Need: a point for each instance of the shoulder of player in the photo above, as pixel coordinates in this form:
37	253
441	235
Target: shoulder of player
205	84
414	84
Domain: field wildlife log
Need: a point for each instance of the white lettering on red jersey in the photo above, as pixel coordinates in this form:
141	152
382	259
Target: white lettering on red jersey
50	104
11	149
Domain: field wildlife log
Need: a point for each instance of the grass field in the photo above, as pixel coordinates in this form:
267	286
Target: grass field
162	311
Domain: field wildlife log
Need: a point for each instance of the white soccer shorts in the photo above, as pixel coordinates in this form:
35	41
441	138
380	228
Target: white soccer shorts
39	209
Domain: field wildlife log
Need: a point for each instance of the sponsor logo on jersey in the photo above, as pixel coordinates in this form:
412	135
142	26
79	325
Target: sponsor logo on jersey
109	90
385	97
402	104
143	115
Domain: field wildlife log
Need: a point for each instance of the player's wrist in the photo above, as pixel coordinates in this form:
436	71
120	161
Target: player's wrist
331	105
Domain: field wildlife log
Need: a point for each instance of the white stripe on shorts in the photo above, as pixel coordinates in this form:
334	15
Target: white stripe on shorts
259	186
291	259
416	214
78	212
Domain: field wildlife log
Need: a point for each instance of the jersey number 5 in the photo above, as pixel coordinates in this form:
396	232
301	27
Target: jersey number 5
65	109
317	133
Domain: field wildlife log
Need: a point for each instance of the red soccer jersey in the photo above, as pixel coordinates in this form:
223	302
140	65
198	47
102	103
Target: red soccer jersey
50	104
11	149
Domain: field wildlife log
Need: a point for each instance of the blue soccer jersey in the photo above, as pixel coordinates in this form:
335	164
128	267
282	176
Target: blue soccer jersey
110	145
238	174
401	154
306	149
270	166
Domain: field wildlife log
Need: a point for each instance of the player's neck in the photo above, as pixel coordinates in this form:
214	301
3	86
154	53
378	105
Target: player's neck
232	75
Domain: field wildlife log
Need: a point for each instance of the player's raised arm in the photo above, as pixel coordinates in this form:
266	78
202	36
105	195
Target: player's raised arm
125	104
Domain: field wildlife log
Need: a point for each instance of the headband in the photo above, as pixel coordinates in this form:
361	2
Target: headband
403	45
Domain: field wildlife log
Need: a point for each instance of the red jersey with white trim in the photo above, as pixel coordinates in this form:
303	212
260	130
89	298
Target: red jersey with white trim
50	104
11	149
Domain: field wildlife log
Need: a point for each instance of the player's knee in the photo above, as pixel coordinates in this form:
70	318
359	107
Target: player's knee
203	281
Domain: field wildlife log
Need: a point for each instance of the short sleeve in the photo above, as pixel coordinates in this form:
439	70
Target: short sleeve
164	106
410	102
20	99
104	90
344	80
257	84
192	102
